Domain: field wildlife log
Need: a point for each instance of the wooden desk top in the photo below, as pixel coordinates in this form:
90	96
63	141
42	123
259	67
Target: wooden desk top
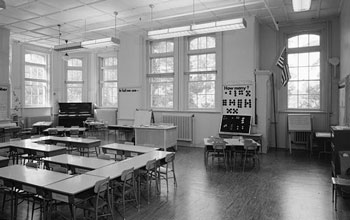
32	176
74	185
116	127
70	139
80	129
323	134
30	144
42	124
130	148
115	170
156	127
79	161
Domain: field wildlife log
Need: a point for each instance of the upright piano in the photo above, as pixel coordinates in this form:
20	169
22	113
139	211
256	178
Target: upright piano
74	113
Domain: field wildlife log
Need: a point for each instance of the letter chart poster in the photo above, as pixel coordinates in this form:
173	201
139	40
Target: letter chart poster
238	100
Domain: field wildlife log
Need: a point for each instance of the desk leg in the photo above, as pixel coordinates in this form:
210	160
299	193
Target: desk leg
290	143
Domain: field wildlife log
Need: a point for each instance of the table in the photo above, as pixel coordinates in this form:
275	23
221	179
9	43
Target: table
256	137
78	164
66	130
83	143
127	129
231	144
126	150
164	136
41	125
325	136
28	179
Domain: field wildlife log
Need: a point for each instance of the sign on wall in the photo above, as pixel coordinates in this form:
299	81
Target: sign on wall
4	102
238	99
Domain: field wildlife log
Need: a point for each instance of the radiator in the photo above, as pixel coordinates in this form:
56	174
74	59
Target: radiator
301	137
184	124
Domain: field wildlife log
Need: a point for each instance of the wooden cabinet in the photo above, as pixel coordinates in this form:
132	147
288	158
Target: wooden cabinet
340	142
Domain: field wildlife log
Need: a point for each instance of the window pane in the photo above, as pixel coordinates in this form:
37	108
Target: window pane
162	92
314	73
203	62
314	40
292	101
293	60
292	88
314	101
162	65
109	74
75	62
162	47
201	94
303	73
293	42
74	93
75	75
303	59
110	94
303	40
204	42
110	61
314	58
314	87
35	58
293	73
303	87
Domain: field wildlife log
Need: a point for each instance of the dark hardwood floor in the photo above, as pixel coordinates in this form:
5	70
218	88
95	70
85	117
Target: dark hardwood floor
286	187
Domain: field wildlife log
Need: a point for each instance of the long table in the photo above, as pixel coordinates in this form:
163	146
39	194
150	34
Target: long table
78	164
126	150
163	136
61	130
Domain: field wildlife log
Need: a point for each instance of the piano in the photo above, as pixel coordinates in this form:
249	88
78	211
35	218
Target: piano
74	113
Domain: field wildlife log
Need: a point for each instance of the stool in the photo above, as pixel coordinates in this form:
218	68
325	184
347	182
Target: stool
338	181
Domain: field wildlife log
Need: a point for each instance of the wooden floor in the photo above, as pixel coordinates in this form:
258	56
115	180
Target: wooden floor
284	188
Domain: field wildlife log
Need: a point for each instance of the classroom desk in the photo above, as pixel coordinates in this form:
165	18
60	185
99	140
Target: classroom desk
28	179
126	129
163	136
126	150
325	136
41	125
78	164
83	143
66	131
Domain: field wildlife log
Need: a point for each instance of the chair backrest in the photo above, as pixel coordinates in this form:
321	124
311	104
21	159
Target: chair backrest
91	137
35	136
61	144
74	131
170	157
129	143
219	144
32	164
104	157
151	164
101	185
60	169
249	144
74	126
52	131
127	174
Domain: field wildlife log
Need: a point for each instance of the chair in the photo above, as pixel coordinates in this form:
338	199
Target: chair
100	203
104	157
126	188
60	169
52	131
168	168
74	132
148	174
87	151
218	151
19	154
250	152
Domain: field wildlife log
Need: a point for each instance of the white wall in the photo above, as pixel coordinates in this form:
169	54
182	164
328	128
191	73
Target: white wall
4	55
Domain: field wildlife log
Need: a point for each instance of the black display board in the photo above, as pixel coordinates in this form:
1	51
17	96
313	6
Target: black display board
239	124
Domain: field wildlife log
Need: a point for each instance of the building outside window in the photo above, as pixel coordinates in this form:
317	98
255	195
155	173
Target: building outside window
109	81
74	81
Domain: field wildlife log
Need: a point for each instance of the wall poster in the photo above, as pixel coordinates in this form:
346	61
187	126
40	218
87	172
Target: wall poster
238	99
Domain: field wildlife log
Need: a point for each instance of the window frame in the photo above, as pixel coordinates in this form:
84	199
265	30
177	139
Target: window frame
100	58
82	82
307	49
47	67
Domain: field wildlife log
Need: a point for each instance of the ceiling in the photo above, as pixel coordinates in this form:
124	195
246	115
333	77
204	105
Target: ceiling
36	21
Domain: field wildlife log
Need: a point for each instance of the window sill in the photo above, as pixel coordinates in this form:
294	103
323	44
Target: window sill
36	107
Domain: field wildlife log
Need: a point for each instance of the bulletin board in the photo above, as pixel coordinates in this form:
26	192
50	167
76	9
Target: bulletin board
238	99
4	102
299	122
143	117
237	124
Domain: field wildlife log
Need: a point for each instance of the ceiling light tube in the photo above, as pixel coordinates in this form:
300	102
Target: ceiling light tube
301	5
218	26
170	32
100	43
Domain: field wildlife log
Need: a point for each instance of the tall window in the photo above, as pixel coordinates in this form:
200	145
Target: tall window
304	53
161	74
74	82
36	79
109	81
201	72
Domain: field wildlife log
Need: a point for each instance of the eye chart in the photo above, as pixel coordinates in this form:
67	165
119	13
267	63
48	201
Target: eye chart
238	99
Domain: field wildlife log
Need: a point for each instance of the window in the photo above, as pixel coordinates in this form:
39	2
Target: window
74	82
304	87
109	81
201	72
161	74
36	79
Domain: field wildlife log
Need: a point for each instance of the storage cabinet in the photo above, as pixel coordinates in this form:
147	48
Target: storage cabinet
340	142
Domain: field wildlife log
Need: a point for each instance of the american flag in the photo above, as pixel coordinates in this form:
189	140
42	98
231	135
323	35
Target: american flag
283	64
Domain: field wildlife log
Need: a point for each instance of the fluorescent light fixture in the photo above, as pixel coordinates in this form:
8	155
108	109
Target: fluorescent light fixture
211	27
301	5
67	47
218	26
2	5
170	32
100	43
